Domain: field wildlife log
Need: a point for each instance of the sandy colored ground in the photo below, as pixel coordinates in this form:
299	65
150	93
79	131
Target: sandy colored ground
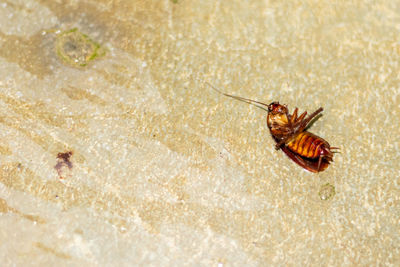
164	171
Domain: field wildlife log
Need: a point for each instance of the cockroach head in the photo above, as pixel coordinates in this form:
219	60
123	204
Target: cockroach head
276	108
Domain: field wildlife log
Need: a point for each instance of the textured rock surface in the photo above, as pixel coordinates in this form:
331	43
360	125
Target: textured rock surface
164	170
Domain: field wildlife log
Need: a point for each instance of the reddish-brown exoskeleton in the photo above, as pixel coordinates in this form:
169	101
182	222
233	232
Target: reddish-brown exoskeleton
309	151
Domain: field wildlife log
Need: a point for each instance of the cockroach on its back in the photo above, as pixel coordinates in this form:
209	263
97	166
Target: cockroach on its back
310	151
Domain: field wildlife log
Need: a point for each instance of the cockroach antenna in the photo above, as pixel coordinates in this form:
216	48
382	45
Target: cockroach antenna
246	100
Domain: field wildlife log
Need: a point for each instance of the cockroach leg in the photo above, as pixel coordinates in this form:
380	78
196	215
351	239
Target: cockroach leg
293	118
319	162
315	113
279	144
302	116
304	123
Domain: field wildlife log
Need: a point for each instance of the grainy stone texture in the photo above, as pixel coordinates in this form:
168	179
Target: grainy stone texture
164	170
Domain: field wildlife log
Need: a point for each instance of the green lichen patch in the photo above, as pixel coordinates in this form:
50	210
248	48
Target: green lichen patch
326	192
77	49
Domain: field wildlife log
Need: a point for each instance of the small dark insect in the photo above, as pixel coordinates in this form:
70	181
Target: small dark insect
311	152
63	160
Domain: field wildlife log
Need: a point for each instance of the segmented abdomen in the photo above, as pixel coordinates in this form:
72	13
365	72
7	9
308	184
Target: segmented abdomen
307	145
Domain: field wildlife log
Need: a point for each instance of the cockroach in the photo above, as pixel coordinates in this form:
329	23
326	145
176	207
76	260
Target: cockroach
308	150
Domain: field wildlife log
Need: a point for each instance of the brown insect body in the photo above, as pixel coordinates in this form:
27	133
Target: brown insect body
310	151
309	145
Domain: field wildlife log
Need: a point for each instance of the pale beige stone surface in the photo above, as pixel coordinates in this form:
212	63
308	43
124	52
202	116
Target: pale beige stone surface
165	171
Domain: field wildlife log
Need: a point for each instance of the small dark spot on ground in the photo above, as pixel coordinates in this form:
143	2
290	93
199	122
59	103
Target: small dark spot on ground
63	161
